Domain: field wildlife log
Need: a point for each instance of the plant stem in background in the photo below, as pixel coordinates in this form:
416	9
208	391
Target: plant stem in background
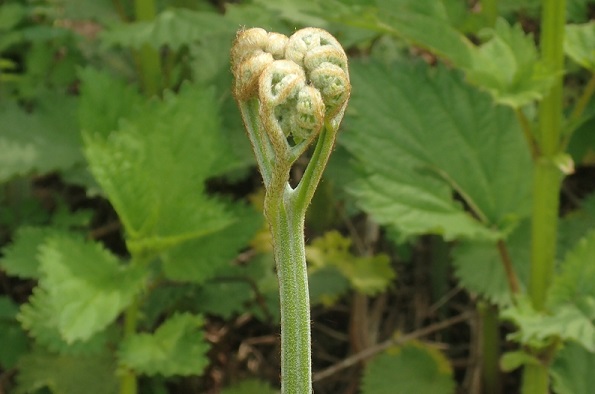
490	348
128	383
147	58
490	10
547	178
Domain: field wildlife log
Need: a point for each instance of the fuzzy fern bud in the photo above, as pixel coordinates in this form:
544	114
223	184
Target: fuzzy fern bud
299	81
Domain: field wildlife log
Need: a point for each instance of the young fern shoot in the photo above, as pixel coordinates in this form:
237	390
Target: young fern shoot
291	91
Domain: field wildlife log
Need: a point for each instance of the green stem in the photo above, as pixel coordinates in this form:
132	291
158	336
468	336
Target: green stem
128	382
547	178
490	347
287	228
147	57
490	10
535	379
313	173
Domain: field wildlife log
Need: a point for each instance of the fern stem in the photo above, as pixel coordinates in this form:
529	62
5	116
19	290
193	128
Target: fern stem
287	229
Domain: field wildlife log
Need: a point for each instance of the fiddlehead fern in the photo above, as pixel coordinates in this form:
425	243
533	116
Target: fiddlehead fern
291	91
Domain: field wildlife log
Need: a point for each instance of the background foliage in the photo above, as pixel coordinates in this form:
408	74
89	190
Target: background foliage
131	240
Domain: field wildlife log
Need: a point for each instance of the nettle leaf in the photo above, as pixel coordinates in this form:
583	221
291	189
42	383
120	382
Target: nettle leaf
174	28
479	267
13	340
66	374
412	368
250	386
426	23
572	370
42	141
176	348
421	136
200	258
20	257
368	274
574	284
578	44
86	286
40	318
566	322
154	167
508	66
575	225
98	112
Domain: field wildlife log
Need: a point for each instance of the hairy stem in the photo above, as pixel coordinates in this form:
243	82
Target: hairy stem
287	229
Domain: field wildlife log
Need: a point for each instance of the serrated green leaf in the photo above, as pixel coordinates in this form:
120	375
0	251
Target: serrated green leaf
199	259
173	28
479	267
566	322
413	368
86	285
64	374
250	386
39	317
513	360
507	65
176	348
578	44
426	23
43	141
153	170
13	340
421	137
572	370
98	112
20	257
574	284
368	275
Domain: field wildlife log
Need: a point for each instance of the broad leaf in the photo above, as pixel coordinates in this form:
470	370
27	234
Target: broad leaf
199	259
64	374
98	112
572	370
479	266
154	167
40	318
43	141
578	44
368	275
176	348
20	257
422	137
174	28
413	368
13	340
86	286
507	65
574	285
566	322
